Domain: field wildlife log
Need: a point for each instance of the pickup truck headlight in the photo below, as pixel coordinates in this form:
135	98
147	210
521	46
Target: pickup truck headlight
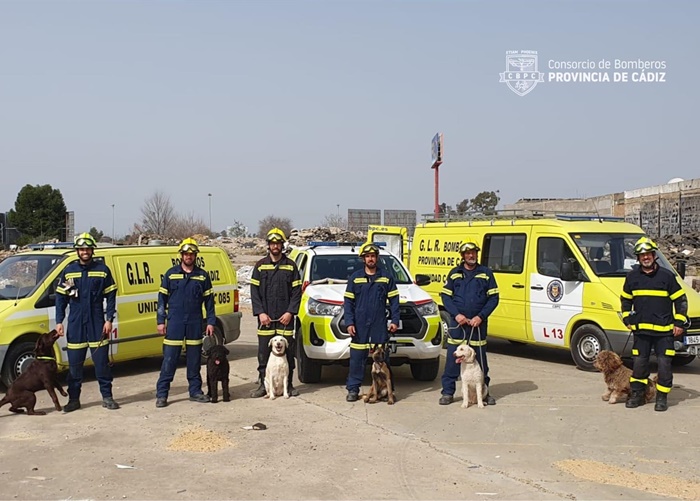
324	309
429	308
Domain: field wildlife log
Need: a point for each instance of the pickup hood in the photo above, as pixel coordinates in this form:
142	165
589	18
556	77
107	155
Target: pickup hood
334	292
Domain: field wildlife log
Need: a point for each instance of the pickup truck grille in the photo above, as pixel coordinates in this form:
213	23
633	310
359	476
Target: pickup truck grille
413	324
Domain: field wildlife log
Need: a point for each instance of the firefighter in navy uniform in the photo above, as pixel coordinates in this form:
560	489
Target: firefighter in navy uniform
275	293
84	285
470	295
649	297
366	297
183	291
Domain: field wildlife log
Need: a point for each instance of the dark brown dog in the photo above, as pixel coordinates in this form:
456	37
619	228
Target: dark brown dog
381	378
217	370
617	378
41	374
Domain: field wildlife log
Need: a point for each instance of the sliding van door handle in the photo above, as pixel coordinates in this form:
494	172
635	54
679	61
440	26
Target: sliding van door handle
518	286
536	287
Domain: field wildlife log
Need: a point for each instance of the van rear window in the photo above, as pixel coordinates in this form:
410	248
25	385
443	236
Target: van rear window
504	253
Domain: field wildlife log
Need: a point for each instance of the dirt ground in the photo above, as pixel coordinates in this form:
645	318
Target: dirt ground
550	436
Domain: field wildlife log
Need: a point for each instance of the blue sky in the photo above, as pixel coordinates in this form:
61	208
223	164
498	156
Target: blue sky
291	108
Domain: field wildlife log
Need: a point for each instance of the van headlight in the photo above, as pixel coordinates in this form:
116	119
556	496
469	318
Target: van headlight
429	308
323	309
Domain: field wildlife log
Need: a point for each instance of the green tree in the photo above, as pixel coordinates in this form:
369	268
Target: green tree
484	202
96	234
40	211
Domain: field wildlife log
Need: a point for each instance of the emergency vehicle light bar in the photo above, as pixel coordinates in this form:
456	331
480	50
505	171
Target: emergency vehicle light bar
56	245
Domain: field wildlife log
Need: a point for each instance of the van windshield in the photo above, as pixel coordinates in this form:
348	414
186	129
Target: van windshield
19	275
612	254
340	267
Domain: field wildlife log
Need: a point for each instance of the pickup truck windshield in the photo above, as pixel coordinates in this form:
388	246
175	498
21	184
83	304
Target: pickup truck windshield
19	275
612	254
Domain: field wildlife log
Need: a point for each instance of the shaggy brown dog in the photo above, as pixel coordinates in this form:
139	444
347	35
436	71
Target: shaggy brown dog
41	374
381	378
217	370
617	377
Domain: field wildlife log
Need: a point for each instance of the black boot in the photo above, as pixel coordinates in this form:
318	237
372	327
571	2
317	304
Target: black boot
635	399
72	405
293	392
260	392
661	401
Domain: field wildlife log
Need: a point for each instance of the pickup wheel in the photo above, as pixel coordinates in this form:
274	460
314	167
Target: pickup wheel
586	343
425	370
680	361
18	358
309	370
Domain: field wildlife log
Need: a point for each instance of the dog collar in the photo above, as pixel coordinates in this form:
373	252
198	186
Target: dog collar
46	358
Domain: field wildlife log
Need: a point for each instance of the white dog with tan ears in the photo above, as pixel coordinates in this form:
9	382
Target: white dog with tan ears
277	371
472	376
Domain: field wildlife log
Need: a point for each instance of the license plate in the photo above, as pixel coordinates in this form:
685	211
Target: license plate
691	340
388	323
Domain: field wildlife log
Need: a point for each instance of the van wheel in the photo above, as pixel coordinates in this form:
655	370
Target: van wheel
425	371
586	343
215	339
445	319
680	361
17	360
309	370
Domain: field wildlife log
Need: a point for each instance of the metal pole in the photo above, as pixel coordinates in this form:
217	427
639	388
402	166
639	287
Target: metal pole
209	212
112	224
437	191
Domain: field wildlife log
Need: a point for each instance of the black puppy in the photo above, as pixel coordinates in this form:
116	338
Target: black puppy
217	370
40	375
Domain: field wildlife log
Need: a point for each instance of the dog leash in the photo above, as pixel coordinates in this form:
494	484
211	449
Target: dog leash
467	341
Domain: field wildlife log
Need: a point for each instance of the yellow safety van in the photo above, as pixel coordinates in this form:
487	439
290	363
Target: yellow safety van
27	300
559	278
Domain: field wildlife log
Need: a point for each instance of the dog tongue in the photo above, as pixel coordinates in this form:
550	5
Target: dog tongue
217	362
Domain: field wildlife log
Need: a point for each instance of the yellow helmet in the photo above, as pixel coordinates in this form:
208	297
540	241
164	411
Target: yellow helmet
84	241
188	245
645	244
468	246
368	248
276	235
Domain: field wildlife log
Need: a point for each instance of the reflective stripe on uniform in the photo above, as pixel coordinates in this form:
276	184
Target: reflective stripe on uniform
98	274
73	275
393	293
255	282
98	344
653	327
455	341
662	389
163	290
643	381
208	292
176	276
359	346
201	278
296	283
349	295
109	289
482	275
670	353
491	292
172	342
447	291
382	280
680	317
477	343
287	267
360	281
76	346
194	342
649	292
60	290
455	276
626	295
266	267
677	294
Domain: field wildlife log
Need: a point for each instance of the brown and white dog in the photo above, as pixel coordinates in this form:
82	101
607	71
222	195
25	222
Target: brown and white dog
277	371
40	375
472	376
617	378
381	378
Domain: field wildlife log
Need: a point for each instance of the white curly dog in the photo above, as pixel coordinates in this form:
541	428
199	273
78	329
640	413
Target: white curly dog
472	376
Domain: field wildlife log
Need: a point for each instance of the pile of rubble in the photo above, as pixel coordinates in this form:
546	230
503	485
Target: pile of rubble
324	234
682	248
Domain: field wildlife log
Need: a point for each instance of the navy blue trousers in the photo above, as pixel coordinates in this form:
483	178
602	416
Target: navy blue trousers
172	347
76	360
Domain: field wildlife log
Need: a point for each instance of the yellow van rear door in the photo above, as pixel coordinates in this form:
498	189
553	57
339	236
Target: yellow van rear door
395	239
553	302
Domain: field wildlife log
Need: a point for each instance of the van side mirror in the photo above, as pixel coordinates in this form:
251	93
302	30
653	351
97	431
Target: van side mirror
680	268
422	279
572	272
